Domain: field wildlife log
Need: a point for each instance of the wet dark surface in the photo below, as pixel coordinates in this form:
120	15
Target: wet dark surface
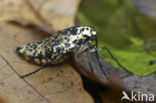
145	84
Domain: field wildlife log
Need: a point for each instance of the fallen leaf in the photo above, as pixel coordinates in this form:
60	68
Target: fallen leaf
56	83
58	13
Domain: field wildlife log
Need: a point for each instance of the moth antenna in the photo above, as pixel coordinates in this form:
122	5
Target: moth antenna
105	48
97	56
33	72
89	59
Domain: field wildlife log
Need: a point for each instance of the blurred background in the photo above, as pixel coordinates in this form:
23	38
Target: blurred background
127	28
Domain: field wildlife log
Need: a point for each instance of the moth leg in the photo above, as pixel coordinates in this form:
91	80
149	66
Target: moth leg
105	48
98	60
26	75
101	66
89	60
80	50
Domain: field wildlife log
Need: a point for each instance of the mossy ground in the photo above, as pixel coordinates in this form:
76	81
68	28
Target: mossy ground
128	34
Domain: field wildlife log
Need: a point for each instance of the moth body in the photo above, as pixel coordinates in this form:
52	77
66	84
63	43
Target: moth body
54	49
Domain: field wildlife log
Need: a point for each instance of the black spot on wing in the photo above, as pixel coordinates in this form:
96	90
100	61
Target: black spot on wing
34	46
80	42
66	39
74	31
31	58
75	41
64	32
19	48
38	42
48	55
40	57
34	52
67	45
30	49
59	50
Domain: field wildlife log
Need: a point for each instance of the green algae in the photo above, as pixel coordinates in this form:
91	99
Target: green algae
124	31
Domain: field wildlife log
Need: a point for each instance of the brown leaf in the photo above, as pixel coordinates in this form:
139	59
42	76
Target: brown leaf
58	83
58	13
55	84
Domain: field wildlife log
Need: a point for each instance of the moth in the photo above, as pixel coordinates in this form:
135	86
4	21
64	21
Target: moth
56	49
53	50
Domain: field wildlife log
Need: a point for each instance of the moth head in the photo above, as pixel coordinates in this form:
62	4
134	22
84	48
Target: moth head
88	34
